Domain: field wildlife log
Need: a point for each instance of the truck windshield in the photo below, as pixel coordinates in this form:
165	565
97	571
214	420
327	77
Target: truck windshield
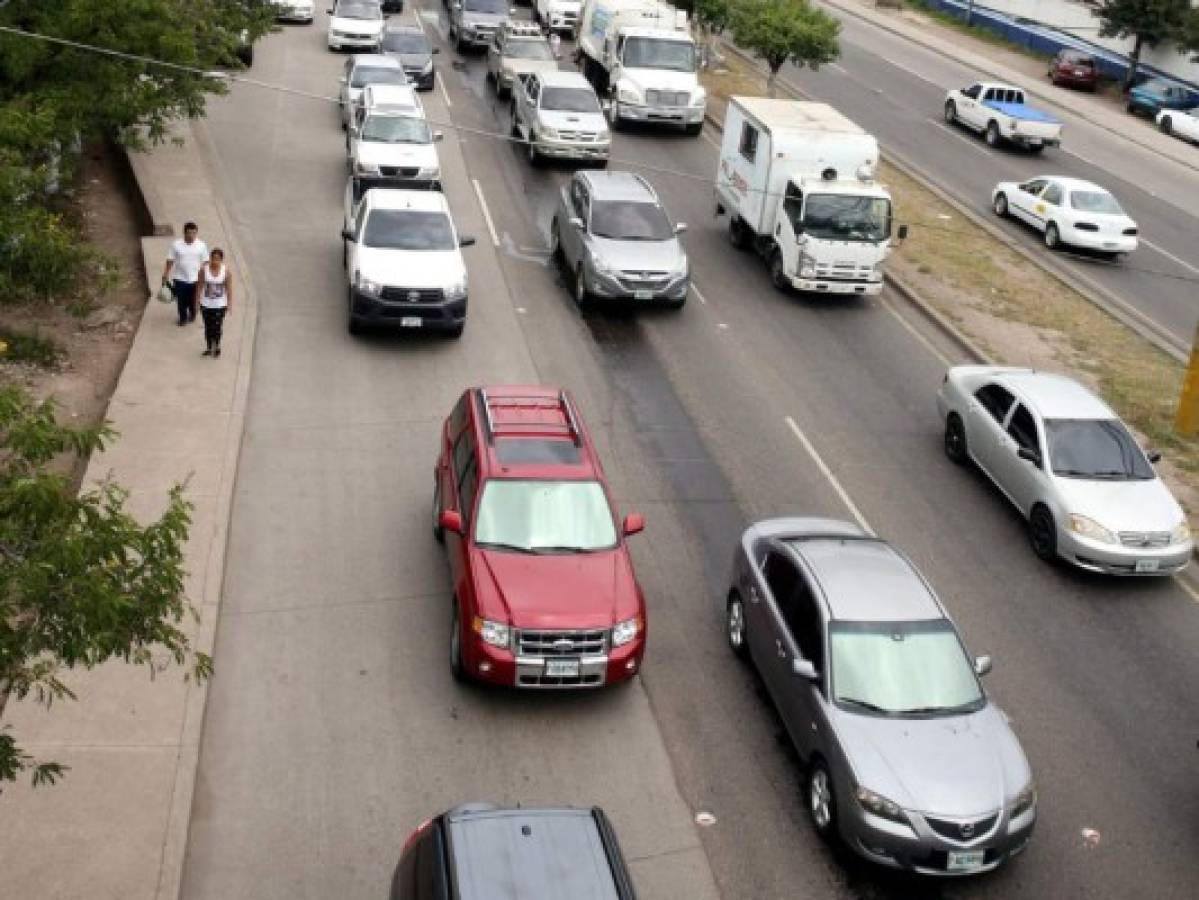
653	53
840	217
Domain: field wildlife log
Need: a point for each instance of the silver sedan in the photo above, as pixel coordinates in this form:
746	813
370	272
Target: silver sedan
908	761
1067	462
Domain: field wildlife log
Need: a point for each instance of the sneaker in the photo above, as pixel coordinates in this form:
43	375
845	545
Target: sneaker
216	352
181	322
207	352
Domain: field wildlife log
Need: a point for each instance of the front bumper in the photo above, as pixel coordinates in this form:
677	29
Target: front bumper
613	287
573	149
830	286
664	115
1117	559
341	41
448	315
497	665
917	848
1094	240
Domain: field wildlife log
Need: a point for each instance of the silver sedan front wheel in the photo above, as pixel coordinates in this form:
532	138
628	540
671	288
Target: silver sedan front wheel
821	803
735	626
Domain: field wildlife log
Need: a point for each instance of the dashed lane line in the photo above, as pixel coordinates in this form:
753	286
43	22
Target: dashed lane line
828	475
495	239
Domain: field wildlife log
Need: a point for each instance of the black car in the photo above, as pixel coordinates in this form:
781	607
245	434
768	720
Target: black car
409	45
482	852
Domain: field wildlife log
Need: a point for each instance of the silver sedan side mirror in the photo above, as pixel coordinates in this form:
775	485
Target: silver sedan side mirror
801	668
982	665
680	227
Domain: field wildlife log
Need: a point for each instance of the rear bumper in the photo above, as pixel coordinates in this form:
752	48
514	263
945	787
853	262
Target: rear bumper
366	182
449	315
1093	240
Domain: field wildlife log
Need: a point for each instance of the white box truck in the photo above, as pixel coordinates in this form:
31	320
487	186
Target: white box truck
641	58
797	180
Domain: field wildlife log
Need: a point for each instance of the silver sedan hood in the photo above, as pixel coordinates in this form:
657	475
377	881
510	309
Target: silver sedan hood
639	256
1121	505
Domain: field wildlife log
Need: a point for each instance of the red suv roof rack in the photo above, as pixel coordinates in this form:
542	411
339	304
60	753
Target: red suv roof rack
493	421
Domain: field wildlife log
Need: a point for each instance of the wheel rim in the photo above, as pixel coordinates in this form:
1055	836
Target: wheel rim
554	241
1051	235
1001	205
532	150
736	624
950	112
992	135
820	799
776	271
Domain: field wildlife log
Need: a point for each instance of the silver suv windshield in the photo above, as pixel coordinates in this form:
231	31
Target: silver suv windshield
902	669
544	517
655	53
396	130
624	220
841	217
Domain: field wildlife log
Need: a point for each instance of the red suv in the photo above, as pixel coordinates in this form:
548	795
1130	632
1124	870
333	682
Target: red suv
544	590
1074	68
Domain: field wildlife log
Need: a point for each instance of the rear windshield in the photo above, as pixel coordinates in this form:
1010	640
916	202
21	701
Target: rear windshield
408	229
1095	202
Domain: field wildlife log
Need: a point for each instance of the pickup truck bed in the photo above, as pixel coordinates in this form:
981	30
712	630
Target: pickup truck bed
1022	112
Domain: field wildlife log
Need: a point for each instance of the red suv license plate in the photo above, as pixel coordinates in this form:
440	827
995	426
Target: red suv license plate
562	668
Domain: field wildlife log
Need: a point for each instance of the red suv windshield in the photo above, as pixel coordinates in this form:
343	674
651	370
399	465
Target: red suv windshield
544	516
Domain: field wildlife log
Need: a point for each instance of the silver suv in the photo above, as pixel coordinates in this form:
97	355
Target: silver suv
559	116
616	242
473	23
517	49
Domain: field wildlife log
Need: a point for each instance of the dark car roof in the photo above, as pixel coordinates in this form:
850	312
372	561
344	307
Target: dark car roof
533	854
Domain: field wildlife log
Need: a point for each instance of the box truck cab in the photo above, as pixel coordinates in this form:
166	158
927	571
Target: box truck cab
641	57
797	180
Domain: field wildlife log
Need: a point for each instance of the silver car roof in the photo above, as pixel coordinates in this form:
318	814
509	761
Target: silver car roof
615	186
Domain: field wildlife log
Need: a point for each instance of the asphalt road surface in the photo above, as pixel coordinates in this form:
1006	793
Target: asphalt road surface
333	726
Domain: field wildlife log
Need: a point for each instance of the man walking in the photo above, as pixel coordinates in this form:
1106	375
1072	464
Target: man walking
184	261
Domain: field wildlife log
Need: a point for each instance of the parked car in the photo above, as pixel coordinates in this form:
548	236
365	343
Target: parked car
1069	465
295	11
1000	114
403	264
411	47
518	48
558	15
391	145
1073	68
1070	212
612	235
361	70
559	116
908	761
545	595
479	850
355	24
473	23
1181	122
1156	94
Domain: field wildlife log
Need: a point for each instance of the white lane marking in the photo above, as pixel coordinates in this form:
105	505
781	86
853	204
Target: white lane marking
1170	256
486	212
1190	591
953	132
911	72
837	68
828	474
698	294
928	345
445	95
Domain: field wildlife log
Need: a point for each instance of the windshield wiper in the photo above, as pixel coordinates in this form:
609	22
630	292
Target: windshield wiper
551	548
930	710
864	704
500	545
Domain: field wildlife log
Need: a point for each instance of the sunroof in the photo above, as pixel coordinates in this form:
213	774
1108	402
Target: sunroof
525	451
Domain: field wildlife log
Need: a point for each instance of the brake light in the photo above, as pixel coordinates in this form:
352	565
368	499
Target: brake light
416	835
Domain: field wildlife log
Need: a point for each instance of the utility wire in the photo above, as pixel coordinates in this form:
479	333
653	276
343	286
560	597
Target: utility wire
227	77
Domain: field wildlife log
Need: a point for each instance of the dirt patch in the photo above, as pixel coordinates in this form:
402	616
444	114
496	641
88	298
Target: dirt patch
95	327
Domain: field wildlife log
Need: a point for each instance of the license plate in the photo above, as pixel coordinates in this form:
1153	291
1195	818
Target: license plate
1109	243
643	295
1146	565
1034	142
965	860
411	322
562	668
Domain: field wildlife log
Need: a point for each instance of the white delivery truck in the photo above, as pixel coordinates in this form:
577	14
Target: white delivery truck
797	180
641	58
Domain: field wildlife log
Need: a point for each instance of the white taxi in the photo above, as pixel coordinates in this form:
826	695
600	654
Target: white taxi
1070	212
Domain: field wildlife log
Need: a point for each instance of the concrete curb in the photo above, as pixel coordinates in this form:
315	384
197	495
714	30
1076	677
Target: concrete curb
988	67
160	222
1083	285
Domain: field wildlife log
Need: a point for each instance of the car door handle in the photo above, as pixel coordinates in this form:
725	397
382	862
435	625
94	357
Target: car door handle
778	645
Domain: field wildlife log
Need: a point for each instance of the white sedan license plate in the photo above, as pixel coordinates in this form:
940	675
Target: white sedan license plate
965	860
643	295
1146	565
410	322
562	668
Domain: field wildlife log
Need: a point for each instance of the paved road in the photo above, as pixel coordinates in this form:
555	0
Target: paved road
333	724
896	90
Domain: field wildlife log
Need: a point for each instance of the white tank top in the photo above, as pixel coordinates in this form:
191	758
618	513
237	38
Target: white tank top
215	296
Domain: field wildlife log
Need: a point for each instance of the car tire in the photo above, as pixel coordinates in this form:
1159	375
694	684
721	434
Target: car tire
1000	206
739	235
555	241
534	155
951	112
1132	108
693	129
1042	533
778	274
353	323
1166	125
438	531
734	626
580	288
1036	149
991	135
821	800
1053	238
955	440
456	668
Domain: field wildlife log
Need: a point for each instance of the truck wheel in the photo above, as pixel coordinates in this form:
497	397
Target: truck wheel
778	275
1166	125
693	129
992	135
1132	107
738	233
580	288
1000	205
951	112
1053	240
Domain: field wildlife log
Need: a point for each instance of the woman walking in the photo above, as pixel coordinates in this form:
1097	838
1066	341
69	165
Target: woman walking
215	289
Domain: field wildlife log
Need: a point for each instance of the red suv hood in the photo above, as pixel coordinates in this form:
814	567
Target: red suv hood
570	590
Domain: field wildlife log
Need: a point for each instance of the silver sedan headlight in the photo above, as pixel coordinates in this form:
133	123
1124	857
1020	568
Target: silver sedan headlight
1089	528
878	805
1023	801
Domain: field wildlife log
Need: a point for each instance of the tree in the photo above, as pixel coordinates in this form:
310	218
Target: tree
780	31
81	582
1147	22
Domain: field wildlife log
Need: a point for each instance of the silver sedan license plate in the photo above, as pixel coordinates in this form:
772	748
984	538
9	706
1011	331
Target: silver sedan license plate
410	322
965	860
1146	565
562	668
643	295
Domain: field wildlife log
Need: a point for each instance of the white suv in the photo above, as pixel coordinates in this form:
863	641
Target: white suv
403	264
389	143
558	115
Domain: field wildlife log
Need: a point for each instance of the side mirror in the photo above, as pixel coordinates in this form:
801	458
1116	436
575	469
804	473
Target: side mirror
902	233
982	665
329	10
347	234
437	135
465	240
450	520
511	10
1029	454
634	523
1153	456
576	222
680	227
801	668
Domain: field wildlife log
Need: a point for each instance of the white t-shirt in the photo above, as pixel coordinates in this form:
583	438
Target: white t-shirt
187	258
215	294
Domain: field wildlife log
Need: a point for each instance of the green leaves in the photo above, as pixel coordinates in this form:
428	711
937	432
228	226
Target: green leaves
778	31
81	581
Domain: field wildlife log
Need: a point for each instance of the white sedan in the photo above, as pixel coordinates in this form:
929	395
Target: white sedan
356	24
1183	123
1069	211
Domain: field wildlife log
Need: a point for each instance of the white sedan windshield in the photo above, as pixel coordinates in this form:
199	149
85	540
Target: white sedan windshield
544	516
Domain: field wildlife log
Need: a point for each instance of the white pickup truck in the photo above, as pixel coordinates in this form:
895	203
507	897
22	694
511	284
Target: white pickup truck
999	113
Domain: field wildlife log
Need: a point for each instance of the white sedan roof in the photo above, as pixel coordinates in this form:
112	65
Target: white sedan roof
1056	396
390	198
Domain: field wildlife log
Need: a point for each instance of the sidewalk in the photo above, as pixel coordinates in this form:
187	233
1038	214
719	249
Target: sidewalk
116	825
1023	71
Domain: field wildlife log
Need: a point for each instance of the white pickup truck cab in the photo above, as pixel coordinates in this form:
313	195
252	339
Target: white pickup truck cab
999	113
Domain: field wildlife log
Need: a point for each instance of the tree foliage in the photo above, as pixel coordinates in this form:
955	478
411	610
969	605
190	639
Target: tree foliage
1147	22
81	581
781	31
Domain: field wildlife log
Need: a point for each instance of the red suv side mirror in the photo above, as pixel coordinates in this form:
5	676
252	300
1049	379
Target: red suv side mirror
451	520
634	523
